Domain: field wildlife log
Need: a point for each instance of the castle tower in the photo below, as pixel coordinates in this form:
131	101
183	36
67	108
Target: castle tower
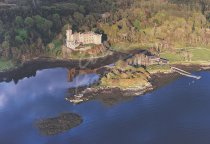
97	39
68	34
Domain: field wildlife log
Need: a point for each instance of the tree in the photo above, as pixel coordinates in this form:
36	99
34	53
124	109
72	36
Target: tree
208	17
29	22
1	31
56	21
42	24
1	26
193	27
47	25
78	17
6	49
22	35
39	21
70	19
90	20
137	24
19	21
82	9
19	39
204	5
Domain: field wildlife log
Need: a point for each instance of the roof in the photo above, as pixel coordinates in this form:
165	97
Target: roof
89	32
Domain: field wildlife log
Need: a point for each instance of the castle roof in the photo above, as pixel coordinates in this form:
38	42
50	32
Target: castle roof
90	32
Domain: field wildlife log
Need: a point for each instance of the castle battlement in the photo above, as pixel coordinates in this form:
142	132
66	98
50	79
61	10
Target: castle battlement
73	40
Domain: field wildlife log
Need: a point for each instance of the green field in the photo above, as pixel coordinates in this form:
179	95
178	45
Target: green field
126	47
4	65
199	55
172	57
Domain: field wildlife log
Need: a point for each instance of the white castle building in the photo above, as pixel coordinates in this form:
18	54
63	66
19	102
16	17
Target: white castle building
73	40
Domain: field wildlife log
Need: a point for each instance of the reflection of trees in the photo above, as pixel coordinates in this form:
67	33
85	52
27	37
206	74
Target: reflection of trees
72	73
28	69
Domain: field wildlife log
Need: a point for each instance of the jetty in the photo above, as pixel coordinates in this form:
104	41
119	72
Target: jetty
185	73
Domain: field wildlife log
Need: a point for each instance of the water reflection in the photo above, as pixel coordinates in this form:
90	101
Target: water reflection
3	100
45	82
176	113
79	78
22	104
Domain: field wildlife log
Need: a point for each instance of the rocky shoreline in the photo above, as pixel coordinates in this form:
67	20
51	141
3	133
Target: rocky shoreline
108	93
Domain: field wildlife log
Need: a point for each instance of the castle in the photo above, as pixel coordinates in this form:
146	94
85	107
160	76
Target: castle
143	59
73	40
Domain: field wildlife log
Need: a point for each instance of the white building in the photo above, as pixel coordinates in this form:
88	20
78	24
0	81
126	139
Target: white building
73	40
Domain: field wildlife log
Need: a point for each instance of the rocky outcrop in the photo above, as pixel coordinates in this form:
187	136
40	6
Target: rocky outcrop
64	122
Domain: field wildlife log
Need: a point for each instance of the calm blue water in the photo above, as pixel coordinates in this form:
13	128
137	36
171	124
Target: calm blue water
178	113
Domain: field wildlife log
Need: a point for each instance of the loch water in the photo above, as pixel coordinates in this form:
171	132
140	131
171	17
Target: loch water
177	113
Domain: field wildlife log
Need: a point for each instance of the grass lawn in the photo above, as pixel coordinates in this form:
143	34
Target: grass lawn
4	65
172	57
198	55
126	47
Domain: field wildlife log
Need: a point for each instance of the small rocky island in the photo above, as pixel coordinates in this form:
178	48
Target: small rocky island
56	125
